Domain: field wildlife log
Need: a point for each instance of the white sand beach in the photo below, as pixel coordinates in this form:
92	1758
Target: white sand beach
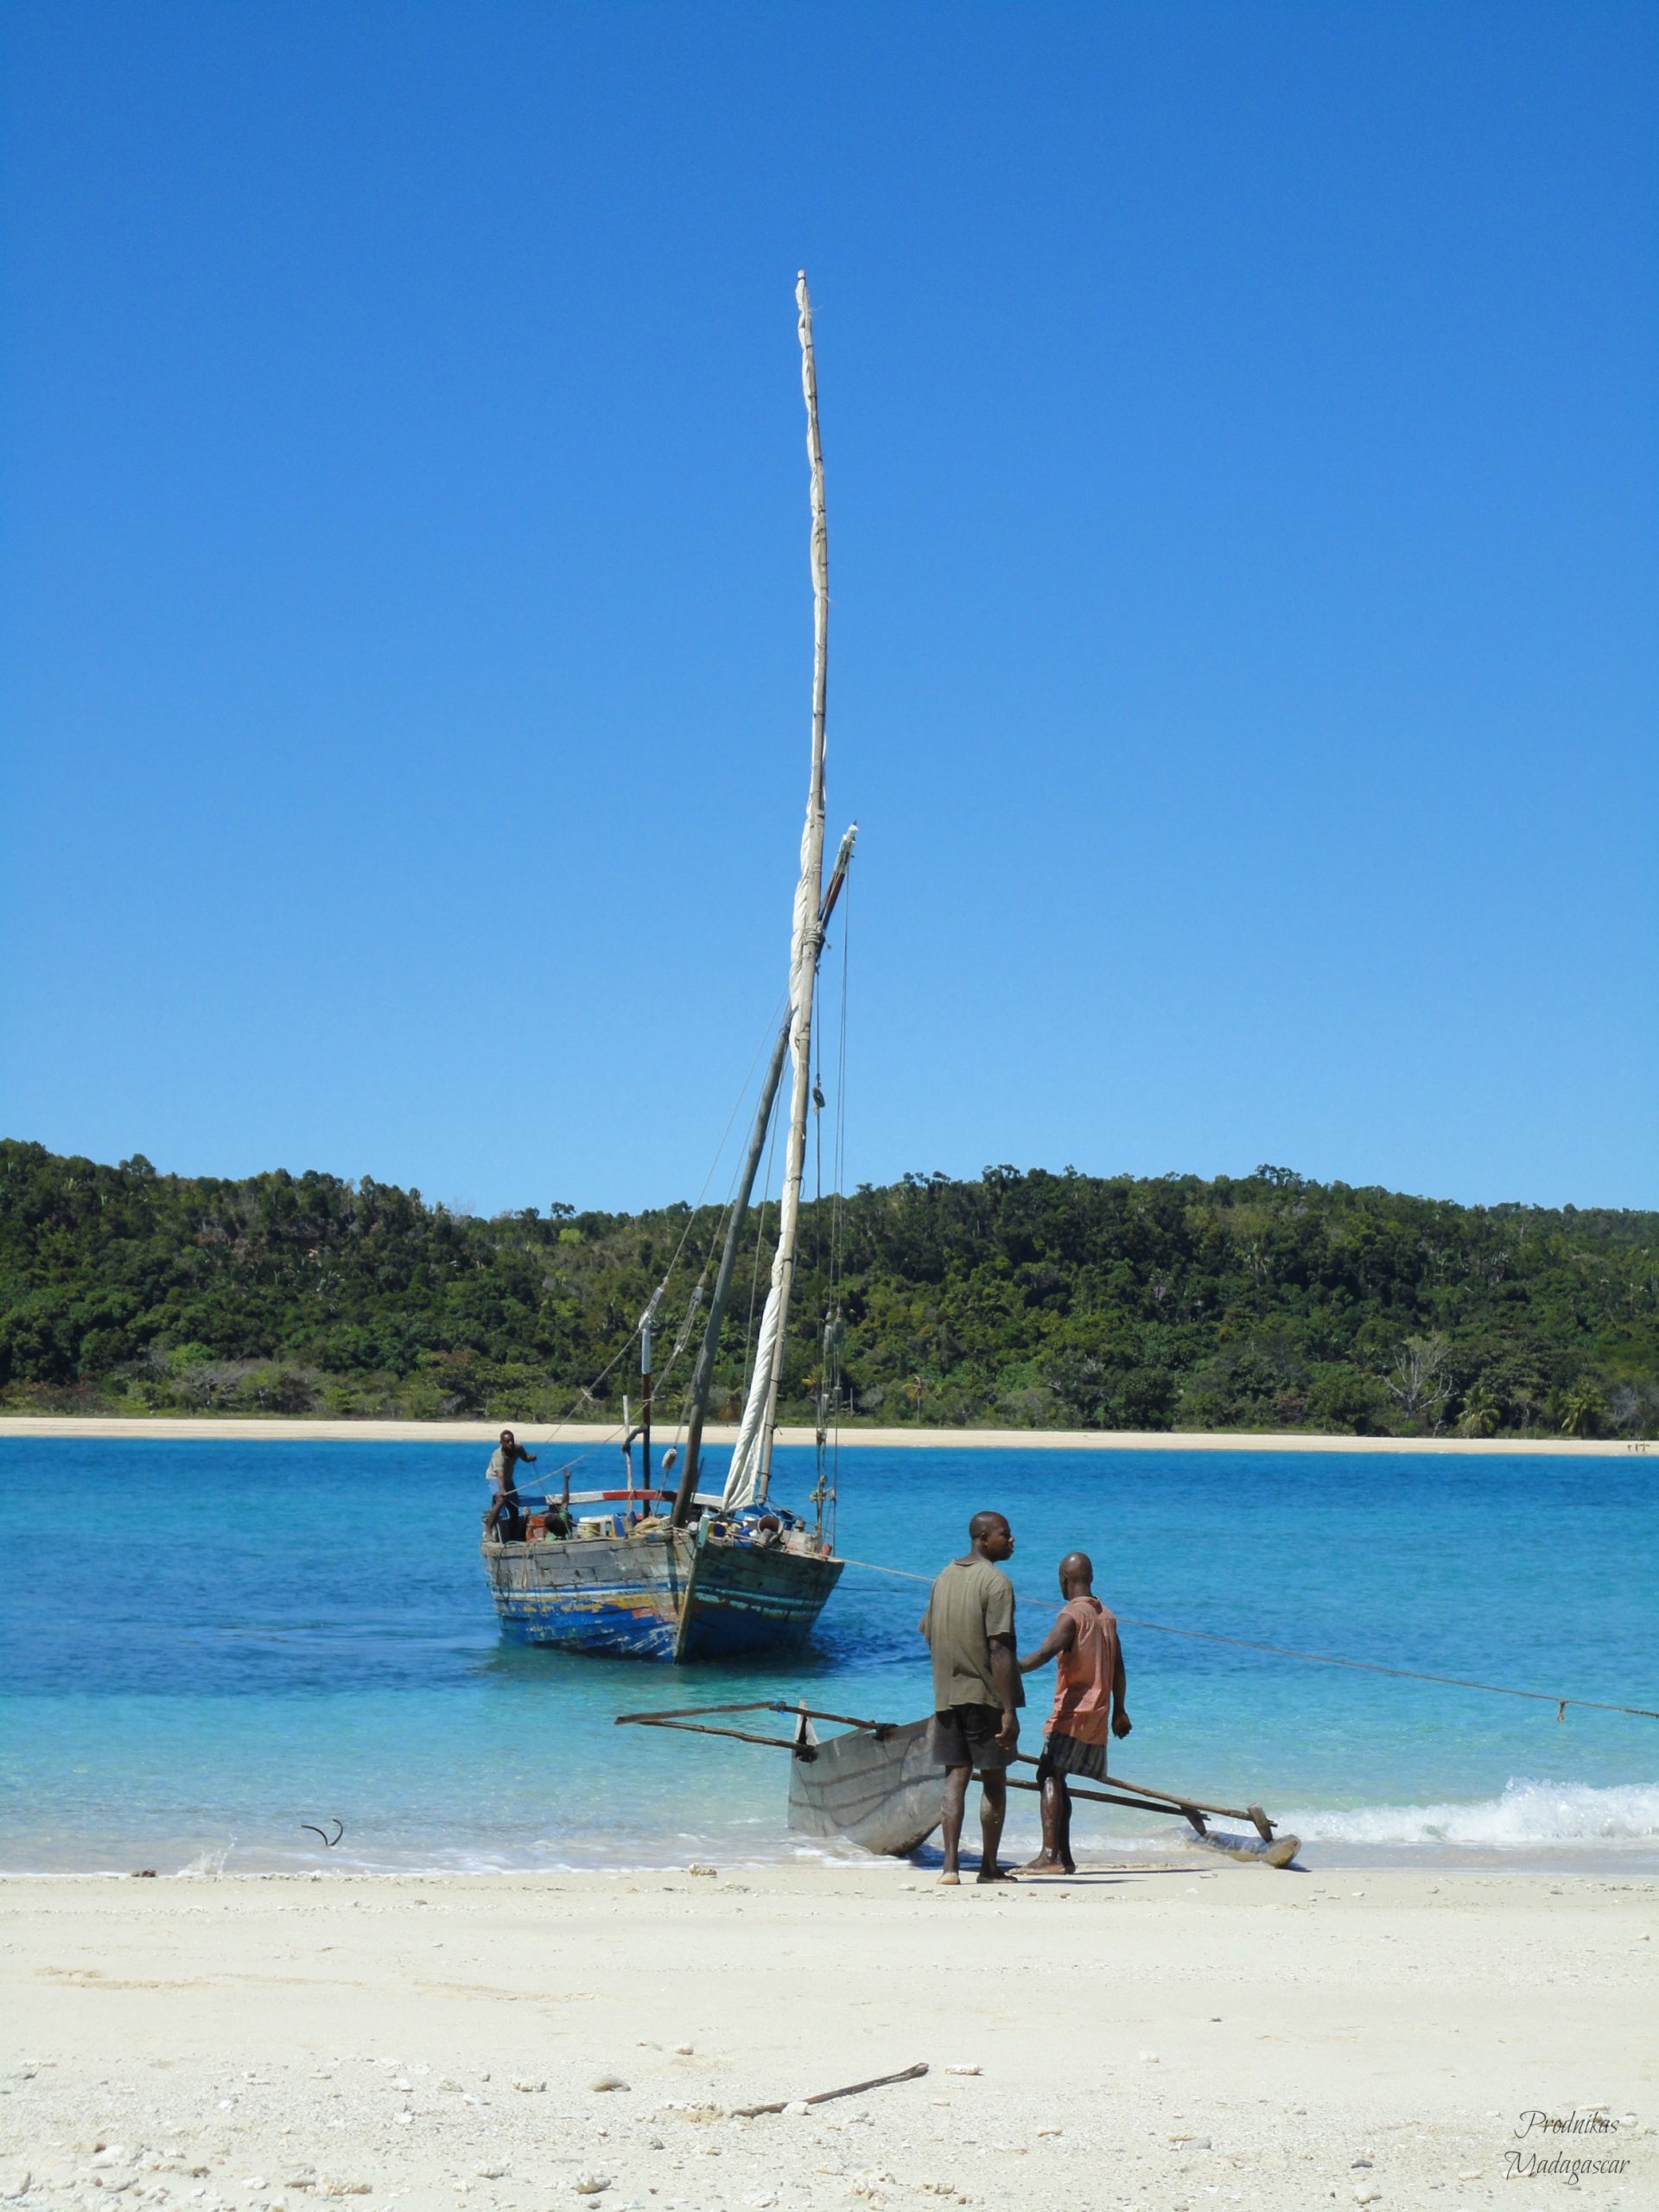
1172	2035
234	1430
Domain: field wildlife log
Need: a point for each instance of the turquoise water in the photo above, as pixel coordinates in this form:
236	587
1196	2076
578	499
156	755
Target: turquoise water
205	1644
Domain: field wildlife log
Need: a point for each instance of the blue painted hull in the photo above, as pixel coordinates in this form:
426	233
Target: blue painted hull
628	1597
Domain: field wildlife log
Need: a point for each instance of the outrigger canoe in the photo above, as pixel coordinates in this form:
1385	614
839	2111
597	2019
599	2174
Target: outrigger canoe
879	1785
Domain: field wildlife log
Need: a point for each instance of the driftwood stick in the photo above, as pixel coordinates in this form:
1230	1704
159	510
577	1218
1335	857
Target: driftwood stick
828	2097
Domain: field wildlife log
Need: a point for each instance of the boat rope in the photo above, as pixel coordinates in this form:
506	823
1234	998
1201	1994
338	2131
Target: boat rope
838	1209
1325	1658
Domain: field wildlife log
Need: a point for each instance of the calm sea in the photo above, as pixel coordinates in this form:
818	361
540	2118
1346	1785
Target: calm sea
206	1644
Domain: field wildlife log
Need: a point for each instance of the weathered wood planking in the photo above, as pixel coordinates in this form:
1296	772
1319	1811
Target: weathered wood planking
625	1595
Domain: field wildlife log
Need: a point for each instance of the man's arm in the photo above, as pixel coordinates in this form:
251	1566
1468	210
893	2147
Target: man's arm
1121	1722
1060	1637
1005	1674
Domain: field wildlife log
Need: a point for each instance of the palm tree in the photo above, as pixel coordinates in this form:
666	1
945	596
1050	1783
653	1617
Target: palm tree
1583	1412
1480	1415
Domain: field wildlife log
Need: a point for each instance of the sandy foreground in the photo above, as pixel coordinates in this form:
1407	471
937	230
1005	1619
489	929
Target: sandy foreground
1166	2036
236	1431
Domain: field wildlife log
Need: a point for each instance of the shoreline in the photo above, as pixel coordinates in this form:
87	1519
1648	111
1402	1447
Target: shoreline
237	1429
1576	1862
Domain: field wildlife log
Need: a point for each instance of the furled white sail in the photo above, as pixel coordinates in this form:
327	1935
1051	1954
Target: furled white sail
751	1460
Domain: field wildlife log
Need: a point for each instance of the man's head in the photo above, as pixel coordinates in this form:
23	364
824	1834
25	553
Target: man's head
1077	1575
990	1535
507	1438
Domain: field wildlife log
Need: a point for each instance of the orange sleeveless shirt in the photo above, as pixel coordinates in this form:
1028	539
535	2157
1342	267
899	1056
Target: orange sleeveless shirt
1083	1693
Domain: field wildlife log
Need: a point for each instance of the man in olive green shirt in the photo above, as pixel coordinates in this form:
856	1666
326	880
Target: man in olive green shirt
969	1625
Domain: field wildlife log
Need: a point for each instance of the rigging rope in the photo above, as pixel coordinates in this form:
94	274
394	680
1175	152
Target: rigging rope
837	1210
1324	1658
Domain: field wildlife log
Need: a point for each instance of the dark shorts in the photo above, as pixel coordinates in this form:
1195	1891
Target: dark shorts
1065	1755
965	1735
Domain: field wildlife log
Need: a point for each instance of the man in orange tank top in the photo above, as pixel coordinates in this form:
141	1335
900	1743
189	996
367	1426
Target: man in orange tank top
1088	1702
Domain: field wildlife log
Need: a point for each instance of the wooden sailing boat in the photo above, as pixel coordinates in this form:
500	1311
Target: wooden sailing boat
708	1577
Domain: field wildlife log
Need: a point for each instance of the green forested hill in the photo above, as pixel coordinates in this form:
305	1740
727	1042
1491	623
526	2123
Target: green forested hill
1036	1300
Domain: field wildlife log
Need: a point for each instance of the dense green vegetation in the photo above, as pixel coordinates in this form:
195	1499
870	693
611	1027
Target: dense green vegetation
1028	1300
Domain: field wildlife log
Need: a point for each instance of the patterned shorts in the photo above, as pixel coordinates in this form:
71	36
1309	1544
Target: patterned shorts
1065	1755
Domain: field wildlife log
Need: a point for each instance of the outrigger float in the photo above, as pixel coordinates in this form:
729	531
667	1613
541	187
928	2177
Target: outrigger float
681	1574
880	1784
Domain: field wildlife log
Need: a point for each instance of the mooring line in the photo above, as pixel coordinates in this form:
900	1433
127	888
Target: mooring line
1324	1658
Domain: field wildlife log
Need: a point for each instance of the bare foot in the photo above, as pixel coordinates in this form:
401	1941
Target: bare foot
1046	1862
993	1874
950	1881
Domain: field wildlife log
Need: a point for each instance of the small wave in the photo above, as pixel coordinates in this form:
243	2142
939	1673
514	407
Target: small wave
1526	1815
209	1864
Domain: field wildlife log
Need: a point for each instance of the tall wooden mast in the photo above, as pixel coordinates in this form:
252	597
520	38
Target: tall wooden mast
751	1460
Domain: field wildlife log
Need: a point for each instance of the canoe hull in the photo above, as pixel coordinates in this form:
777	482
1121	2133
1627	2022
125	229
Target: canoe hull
884	1794
883	1789
625	1597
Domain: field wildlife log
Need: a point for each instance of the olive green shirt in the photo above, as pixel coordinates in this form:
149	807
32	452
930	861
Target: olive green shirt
969	1604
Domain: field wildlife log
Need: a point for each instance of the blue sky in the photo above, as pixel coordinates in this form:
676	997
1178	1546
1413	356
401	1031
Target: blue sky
1239	423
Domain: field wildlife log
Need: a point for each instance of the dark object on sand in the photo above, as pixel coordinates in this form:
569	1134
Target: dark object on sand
828	2096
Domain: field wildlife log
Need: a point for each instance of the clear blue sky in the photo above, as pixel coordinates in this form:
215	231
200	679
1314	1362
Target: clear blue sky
1240	425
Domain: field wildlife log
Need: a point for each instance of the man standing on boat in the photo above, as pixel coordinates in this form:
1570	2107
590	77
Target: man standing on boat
969	1625
504	1517
1088	1700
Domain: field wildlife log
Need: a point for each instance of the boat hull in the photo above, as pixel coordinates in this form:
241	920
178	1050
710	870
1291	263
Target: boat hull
660	1596
883	1792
